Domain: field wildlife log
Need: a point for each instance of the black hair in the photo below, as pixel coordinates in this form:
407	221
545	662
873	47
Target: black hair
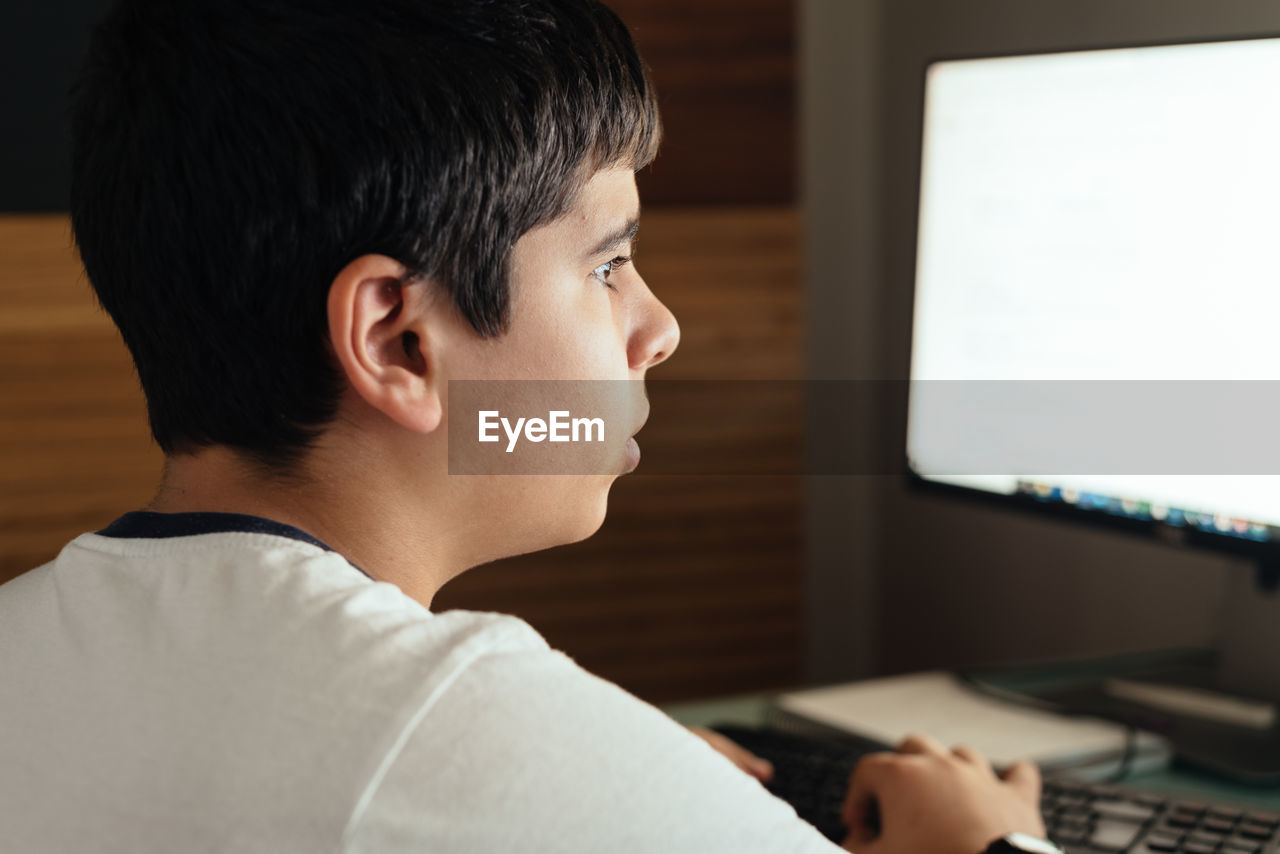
230	157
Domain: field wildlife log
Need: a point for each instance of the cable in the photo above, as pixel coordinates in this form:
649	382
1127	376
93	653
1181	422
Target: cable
1124	757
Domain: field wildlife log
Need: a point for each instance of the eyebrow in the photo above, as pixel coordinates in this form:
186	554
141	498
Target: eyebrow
621	237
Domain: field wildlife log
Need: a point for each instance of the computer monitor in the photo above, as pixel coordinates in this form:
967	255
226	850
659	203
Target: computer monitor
1098	288
1097	291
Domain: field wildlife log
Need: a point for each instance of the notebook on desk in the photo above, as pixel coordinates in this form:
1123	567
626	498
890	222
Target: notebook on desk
940	704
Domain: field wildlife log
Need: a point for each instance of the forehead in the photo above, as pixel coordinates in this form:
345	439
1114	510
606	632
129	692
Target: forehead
610	193
606	204
597	223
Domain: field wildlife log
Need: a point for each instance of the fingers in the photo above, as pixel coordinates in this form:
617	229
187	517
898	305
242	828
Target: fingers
926	798
921	744
1024	777
761	769
859	811
975	759
748	762
861	824
861	785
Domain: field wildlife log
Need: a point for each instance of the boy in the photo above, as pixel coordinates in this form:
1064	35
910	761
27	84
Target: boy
308	218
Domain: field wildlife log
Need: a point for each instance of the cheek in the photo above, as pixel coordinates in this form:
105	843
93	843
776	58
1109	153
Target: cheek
580	337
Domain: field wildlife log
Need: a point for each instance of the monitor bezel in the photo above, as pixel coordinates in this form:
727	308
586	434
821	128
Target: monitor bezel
1265	553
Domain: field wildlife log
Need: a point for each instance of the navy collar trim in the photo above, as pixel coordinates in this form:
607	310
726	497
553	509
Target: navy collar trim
148	525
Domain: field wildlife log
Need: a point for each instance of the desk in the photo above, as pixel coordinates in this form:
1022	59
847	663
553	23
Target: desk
753	710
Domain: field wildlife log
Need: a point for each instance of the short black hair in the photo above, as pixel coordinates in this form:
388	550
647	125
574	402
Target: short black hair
230	157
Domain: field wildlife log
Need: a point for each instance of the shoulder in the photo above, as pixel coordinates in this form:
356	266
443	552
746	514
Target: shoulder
525	750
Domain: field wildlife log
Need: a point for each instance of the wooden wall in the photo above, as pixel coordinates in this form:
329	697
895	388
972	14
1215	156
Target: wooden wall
694	586
74	446
725	71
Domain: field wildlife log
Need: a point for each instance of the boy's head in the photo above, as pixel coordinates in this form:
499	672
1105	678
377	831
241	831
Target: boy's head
231	158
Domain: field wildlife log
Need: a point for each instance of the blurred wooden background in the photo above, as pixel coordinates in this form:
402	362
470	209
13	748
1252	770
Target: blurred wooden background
694	587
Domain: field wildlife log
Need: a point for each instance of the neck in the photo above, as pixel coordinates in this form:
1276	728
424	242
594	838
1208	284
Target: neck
333	500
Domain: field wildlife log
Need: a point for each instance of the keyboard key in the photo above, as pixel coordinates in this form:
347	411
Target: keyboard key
1123	810
1253	830
1225	814
1073	799
1193	847
1182	817
1161	842
1164	824
1235	847
1071	833
1205	839
1216	826
1110	835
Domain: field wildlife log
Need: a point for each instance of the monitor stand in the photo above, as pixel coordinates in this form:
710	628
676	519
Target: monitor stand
1220	708
1249	644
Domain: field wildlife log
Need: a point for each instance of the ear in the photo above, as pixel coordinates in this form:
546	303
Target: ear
378	331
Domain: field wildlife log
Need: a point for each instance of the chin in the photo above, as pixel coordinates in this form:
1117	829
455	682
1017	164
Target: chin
562	510
592	514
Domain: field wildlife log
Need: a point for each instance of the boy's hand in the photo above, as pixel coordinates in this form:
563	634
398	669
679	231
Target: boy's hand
759	768
926	798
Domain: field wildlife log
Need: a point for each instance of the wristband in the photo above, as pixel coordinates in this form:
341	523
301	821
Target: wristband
1021	843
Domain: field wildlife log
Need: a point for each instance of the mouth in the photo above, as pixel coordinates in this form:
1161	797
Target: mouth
632	455
632	447
644	417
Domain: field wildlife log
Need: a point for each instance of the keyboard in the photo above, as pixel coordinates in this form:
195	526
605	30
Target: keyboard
1089	817
812	774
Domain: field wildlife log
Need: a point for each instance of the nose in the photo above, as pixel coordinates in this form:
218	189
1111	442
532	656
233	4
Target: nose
655	333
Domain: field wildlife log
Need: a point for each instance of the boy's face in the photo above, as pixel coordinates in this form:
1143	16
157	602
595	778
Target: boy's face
579	311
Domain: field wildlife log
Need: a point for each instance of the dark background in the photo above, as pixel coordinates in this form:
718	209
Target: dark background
40	48
725	72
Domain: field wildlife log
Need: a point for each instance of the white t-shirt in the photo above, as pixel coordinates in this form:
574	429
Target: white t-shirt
213	682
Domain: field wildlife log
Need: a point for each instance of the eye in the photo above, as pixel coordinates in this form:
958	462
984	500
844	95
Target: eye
602	272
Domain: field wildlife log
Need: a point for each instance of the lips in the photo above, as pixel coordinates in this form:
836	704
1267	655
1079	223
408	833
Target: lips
643	419
633	455
632	447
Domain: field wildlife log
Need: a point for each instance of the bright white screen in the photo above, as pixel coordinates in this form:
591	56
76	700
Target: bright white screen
1102	215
